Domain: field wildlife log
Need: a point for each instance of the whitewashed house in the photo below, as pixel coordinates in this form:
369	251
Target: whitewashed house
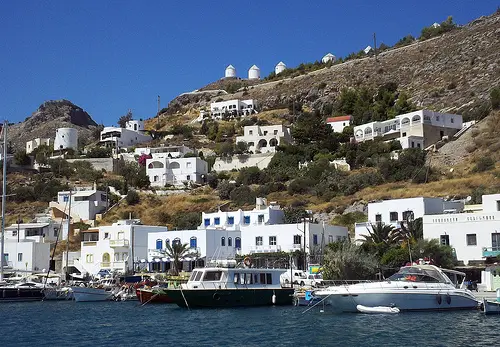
120	247
474	234
339	123
85	203
230	109
418	129
162	170
27	254
395	211
170	151
264	139
35	143
132	134
41	232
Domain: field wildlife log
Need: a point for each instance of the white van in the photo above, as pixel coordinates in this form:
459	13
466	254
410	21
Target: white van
302	278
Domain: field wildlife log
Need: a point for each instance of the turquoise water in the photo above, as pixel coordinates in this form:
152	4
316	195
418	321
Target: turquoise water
128	324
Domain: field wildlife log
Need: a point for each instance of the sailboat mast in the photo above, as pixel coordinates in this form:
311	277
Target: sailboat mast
4	194
67	238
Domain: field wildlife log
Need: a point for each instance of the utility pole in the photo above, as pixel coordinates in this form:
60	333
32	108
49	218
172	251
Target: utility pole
4	197
375	44
158	113
67	238
305	260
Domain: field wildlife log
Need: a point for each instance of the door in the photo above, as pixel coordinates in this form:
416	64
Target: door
495	241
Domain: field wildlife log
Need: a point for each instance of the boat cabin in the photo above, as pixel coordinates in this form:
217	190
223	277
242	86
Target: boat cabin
428	273
234	278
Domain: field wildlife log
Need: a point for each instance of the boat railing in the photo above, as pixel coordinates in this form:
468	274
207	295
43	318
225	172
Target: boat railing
383	284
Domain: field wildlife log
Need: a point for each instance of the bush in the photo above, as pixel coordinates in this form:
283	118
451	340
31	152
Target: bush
224	189
242	195
99	152
484	164
251	175
83	170
132	197
300	186
187	220
495	98
21	158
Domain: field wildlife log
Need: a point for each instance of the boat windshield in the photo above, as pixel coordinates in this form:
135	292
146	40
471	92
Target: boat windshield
416	274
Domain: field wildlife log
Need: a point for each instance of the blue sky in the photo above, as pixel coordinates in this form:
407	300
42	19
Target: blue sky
111	56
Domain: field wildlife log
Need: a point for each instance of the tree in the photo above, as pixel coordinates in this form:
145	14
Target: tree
21	158
412	230
99	152
134	174
294	215
42	154
176	252
310	128
143	158
241	147
382	234
60	168
122	121
187	220
224	149
347	261
132	197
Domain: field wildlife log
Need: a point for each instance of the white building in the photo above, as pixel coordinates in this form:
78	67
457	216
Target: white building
279	68
229	109
35	143
27	254
170	151
339	123
368	49
66	138
395	211
41	232
162	170
230	72
254	73
132	134
329	57
418	129
85	204
264	139
473	234
116	248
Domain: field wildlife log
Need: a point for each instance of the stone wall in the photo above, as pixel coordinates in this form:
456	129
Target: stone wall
240	161
109	164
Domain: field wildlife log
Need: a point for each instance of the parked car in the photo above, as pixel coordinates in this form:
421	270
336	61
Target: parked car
302	278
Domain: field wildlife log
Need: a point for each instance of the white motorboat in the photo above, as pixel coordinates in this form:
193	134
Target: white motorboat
413	288
91	294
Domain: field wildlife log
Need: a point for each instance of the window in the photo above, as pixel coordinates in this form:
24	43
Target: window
260	218
258	241
297	239
265	132
89	258
498	205
495	241
236	278
262	278
212	276
393	216
65	198
250	132
246	220
315	239
117	256
407	215
106	235
207	222
19	257
188	177
269	279
6	255
230	241
56	231
176	241
404	134
198	275
230	220
330	238
188	165
237	243
248	279
222	241
272	240
445	240
159	244
276	132
192	242
378	218
437	118
217	221
121	235
452	120
471	240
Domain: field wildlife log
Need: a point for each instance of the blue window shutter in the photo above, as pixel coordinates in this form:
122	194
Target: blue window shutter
159	244
207	222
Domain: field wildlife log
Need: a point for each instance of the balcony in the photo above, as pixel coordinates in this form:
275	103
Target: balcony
89	243
118	243
265	249
491	252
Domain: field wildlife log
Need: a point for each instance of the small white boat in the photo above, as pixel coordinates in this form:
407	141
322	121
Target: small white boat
91	294
377	309
491	307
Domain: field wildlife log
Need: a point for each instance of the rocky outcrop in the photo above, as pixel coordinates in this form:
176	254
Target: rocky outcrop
47	118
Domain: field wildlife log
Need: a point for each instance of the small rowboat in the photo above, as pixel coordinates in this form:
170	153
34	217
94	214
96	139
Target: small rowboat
377	309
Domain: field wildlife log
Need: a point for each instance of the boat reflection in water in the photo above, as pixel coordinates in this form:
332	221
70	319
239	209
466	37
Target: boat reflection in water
413	288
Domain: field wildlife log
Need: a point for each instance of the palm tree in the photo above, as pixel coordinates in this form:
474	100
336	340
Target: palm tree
412	230
381	233
176	252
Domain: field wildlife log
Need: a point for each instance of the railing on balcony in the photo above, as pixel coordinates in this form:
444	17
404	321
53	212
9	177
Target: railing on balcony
265	249
118	243
491	251
105	264
89	243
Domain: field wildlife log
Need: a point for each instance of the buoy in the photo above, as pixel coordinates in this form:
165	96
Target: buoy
273	298
377	309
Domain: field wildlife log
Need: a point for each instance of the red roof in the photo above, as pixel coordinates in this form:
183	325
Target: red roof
338	119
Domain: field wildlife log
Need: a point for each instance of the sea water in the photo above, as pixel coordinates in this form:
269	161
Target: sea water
67	323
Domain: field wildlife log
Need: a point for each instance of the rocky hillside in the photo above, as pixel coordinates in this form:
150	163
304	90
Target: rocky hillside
453	72
47	118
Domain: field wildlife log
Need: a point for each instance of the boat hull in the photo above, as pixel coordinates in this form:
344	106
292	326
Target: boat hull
404	301
220	298
491	307
8	294
82	294
153	296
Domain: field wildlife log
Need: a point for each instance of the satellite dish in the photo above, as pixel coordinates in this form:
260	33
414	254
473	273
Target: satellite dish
469	198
